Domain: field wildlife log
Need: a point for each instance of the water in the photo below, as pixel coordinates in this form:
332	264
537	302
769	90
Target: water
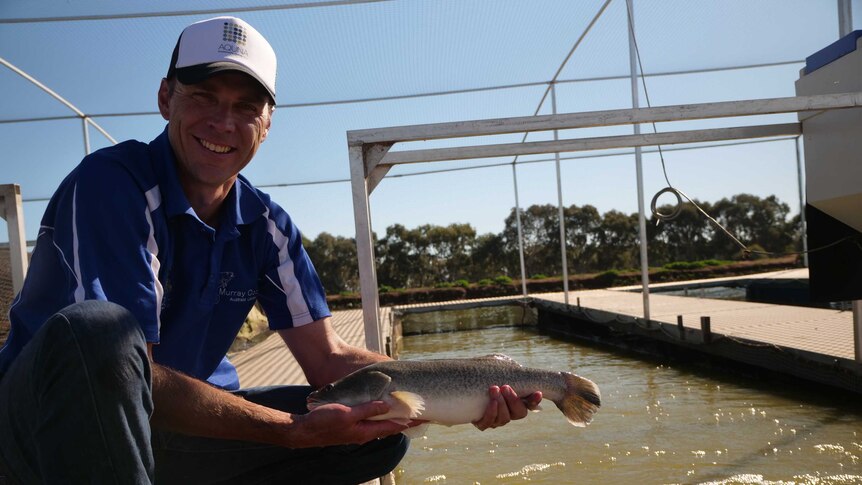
469	319
717	292
658	424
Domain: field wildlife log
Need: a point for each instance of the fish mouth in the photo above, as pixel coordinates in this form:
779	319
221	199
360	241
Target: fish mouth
313	402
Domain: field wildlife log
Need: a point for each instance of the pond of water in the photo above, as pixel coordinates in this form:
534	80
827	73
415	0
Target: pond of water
658	424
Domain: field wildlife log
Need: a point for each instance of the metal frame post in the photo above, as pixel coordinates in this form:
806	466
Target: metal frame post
12	209
520	232
560	203
845	17
86	136
365	249
800	174
857	329
633	64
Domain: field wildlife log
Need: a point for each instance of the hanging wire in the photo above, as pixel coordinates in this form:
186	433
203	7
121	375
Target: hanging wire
677	210
182	13
563	65
426	94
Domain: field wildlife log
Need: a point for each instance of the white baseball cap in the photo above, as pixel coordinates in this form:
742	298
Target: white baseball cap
221	44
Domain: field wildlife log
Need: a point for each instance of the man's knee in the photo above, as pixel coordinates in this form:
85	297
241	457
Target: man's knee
100	317
96	322
105	337
87	372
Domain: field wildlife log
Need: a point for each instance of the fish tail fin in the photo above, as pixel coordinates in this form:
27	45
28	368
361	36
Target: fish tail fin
580	401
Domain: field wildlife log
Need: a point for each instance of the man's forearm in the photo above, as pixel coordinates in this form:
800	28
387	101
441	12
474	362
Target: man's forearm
186	405
323	355
342	362
189	406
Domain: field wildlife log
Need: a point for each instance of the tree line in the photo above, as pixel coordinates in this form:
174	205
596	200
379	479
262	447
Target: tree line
429	255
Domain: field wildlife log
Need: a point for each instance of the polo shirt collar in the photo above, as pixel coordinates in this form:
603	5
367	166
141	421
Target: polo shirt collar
164	165
247	204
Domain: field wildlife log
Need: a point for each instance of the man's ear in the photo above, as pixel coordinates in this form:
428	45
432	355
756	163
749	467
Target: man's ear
164	99
266	127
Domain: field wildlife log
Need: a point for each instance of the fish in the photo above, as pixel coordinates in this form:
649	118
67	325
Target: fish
455	391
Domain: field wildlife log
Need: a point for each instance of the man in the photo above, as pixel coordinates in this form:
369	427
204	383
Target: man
147	261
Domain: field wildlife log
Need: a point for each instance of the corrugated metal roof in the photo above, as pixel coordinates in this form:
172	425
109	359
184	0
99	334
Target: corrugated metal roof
271	363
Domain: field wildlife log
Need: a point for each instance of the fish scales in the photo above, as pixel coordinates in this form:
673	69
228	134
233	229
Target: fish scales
462	377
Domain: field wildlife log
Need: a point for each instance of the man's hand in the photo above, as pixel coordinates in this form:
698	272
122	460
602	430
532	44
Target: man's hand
505	406
336	424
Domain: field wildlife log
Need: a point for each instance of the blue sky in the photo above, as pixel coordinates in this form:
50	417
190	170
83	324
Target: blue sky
404	47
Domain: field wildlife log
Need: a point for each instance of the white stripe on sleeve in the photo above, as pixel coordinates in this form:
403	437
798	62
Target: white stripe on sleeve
79	289
289	283
154	200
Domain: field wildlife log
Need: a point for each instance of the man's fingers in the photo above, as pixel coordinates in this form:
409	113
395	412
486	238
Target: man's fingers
505	405
504	402
533	400
370	409
516	408
490	410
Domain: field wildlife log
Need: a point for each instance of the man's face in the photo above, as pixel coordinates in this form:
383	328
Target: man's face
215	127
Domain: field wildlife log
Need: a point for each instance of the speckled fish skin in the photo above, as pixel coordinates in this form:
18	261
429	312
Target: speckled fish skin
455	391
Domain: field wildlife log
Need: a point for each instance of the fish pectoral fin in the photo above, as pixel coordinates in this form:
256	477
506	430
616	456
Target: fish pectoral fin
407	404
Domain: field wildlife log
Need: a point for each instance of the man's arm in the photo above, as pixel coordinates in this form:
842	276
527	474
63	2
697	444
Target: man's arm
325	358
190	406
323	355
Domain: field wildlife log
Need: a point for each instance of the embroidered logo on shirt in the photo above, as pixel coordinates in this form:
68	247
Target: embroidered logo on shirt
233	296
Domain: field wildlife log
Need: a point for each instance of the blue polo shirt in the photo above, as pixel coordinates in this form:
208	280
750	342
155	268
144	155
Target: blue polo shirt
120	228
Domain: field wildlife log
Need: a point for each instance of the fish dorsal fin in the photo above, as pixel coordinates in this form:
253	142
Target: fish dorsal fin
500	358
377	383
407	404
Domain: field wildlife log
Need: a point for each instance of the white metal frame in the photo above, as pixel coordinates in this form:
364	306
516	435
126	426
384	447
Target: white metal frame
85	120
12	210
371	157
639	171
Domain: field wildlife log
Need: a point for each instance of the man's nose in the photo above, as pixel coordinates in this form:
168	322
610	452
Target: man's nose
223	118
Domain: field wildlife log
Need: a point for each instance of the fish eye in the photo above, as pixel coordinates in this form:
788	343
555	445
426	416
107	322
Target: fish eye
328	387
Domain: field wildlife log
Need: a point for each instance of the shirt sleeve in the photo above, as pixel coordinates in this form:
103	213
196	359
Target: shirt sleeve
105	231
290	291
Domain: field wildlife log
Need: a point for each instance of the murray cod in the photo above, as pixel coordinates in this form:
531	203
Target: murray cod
455	391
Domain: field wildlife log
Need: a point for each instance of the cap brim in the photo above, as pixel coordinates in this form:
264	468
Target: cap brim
202	72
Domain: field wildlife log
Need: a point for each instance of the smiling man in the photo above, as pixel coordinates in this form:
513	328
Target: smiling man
148	259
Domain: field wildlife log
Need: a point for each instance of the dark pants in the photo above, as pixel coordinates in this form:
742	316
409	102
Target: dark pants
75	408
